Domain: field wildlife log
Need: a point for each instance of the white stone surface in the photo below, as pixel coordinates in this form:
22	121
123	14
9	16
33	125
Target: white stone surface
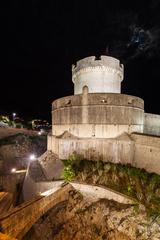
91	191
96	130
104	75
152	124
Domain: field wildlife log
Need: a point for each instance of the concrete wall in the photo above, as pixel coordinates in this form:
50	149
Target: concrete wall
104	75
152	124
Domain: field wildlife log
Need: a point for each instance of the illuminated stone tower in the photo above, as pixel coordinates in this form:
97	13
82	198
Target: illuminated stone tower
100	76
100	123
97	110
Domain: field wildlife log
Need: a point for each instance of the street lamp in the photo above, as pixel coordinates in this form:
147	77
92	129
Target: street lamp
32	157
13	170
13	114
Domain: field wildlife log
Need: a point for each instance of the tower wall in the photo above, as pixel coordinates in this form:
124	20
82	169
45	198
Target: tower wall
97	115
100	76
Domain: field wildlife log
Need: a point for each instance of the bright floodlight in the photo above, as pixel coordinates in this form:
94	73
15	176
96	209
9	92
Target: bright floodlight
14	114
39	133
13	170
32	157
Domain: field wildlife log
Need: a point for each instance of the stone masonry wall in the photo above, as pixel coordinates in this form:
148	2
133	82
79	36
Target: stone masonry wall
97	115
103	75
140	151
152	124
109	150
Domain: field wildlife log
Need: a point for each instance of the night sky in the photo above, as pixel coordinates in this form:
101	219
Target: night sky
41	39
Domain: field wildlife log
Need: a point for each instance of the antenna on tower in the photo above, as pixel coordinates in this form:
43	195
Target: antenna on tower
107	51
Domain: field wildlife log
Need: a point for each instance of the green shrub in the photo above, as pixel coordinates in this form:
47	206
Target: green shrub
70	166
68	174
134	182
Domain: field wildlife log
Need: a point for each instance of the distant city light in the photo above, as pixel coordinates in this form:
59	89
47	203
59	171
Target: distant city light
32	157
13	170
39	133
14	114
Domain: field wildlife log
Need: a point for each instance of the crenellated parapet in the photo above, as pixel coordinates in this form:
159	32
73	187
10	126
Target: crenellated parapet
105	62
102	75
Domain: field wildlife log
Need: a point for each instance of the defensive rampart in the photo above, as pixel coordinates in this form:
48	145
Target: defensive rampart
97	115
152	124
139	150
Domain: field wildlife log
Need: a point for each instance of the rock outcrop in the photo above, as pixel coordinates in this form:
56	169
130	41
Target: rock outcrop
15	150
80	219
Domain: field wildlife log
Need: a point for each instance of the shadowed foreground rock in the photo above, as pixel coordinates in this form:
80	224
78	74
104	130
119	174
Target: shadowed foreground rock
6	200
5	237
83	219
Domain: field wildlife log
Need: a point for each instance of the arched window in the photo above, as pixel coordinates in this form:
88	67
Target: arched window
85	89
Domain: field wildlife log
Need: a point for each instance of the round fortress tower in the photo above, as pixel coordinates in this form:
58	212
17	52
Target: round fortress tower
97	111
100	76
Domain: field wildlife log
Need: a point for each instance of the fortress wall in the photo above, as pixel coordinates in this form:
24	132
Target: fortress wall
147	152
99	99
97	115
147	158
111	150
152	124
95	130
140	151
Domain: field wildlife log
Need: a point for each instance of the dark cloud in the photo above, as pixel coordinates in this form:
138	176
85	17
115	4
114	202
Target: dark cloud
144	41
154	3
133	36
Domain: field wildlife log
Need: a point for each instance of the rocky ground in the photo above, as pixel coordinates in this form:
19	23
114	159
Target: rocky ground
9	131
16	145
79	219
131	181
15	149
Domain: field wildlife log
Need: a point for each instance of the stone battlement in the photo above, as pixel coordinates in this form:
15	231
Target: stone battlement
92	62
100	76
